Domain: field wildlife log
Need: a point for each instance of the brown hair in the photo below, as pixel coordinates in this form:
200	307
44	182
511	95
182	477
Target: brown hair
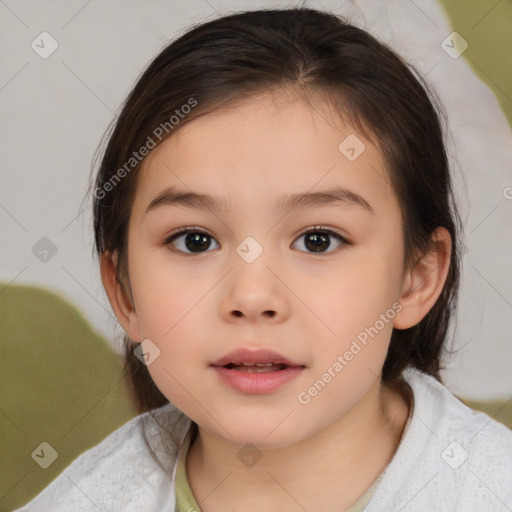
317	55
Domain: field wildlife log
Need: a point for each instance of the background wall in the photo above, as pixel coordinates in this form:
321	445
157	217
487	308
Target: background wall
55	108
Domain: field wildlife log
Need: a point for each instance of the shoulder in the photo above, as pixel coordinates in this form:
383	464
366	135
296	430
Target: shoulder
478	448
119	474
452	418
450	457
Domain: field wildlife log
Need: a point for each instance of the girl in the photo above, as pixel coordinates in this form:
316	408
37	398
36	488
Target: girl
278	238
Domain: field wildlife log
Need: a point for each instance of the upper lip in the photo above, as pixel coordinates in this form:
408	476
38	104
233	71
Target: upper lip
253	357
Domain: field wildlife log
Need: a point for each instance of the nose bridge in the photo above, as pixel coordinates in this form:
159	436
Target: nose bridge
254	289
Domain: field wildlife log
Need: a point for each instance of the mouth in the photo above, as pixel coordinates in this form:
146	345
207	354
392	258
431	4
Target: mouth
256	368
260	360
256	371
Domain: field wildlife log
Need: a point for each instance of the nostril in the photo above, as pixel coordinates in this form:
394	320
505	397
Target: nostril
268	313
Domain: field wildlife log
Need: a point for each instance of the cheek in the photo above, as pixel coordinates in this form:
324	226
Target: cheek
170	315
356	304
165	292
170	304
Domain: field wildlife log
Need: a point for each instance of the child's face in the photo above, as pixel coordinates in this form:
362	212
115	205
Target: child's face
309	307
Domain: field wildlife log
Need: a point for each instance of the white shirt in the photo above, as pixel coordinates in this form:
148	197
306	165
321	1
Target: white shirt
450	458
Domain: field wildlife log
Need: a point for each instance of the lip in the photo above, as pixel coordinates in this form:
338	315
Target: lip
259	356
256	382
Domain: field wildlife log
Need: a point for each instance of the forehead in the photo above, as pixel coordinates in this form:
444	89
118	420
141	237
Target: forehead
264	148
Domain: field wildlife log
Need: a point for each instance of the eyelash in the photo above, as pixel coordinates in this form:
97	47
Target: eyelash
313	229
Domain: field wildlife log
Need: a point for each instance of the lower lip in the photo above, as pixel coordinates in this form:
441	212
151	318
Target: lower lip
257	383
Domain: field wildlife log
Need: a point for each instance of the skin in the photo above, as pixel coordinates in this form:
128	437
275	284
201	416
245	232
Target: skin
197	307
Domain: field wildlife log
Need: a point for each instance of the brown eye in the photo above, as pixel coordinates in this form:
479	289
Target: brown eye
190	241
193	241
318	240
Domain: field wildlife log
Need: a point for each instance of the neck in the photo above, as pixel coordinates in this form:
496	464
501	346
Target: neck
327	471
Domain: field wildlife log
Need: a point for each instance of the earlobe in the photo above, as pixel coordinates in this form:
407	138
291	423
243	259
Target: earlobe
118	296
425	281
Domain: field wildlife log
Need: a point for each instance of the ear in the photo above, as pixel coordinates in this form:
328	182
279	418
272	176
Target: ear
424	282
119	298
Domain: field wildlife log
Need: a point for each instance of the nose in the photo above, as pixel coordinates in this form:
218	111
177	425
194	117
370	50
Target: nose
255	292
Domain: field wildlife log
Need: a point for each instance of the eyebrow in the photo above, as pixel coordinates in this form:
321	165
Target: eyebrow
337	195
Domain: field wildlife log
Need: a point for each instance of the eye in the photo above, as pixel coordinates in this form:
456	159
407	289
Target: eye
318	239
190	240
